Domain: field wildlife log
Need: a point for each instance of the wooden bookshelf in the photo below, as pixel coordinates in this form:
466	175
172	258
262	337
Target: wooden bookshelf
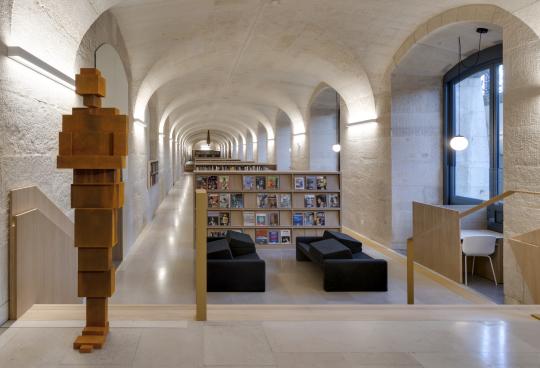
232	166
239	201
205	154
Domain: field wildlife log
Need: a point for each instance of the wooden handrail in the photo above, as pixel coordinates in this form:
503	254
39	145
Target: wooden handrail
493	200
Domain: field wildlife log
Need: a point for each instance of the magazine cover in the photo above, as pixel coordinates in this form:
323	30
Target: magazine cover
273	237
224	219
273	219
298	219
333	200
223	183
309	201
285	201
262	200
261	182
217	234
321	201
272	182
249	218
202	182
285	236
237	200
261	236
224	200
299	183
309	219
260	219
212	182
213	200
272	201
320	219
321	183
213	218
311	182
249	182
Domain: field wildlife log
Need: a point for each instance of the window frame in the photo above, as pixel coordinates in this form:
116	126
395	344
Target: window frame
489	58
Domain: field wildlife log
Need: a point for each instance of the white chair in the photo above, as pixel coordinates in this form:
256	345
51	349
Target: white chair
479	246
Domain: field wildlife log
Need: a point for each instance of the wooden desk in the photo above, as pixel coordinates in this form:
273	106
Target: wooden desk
482	267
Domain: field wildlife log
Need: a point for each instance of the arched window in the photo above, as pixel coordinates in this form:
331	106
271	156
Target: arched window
324	131
283	141
474	109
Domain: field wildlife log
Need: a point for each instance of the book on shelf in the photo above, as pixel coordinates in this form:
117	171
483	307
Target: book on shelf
299	183
298	219
261	219
249	182
249	218
224	219
321	200
260	182
272	201
213	218
320	219
262	200
261	236
212	182
237	200
285	200
311	182
272	182
309	219
273	237
322	183
333	200
309	201
213	200
202	182
223	183
273	219
285	236
217	234
224	200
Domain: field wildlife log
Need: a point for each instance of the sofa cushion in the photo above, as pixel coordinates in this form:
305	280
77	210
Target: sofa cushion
329	249
240	243
218	249
351	243
250	256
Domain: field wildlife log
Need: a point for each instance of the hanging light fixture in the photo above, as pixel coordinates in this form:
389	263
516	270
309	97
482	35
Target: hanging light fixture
460	142
336	148
208	137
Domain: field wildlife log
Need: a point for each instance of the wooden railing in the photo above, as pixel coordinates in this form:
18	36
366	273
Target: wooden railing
201	233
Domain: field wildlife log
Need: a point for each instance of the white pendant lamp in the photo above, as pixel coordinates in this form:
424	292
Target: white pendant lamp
459	143
336	148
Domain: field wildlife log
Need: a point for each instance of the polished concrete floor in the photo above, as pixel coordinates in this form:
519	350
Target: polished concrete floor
160	269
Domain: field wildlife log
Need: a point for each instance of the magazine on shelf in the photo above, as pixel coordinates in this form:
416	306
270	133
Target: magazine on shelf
260	182
223	183
213	200
212	182
217	234
249	182
311	182
273	219
299	183
261	219
285	201
273	237
309	219
322	183
272	182
237	200
213	218
224	219
320	219
224	200
262	200
249	218
298	219
309	201
285	236
321	201
272	201
202	182
261	236
333	200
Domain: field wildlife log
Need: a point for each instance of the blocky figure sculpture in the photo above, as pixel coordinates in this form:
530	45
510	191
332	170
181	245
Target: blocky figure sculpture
93	143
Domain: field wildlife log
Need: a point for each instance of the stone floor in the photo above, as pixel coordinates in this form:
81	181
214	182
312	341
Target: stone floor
160	269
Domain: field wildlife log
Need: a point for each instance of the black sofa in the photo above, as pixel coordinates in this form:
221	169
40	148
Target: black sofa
234	265
345	267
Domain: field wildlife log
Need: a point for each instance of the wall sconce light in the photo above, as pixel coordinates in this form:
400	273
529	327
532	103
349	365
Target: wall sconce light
31	61
336	148
363	122
140	123
459	143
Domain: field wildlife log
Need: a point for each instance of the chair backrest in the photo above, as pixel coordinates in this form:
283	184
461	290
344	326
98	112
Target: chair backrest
479	245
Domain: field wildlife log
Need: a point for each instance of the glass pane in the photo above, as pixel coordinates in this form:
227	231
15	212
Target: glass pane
500	123
472	111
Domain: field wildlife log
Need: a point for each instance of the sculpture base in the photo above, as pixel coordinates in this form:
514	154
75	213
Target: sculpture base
91	338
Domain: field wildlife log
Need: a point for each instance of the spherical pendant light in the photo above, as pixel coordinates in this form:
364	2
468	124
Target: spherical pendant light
459	143
336	148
